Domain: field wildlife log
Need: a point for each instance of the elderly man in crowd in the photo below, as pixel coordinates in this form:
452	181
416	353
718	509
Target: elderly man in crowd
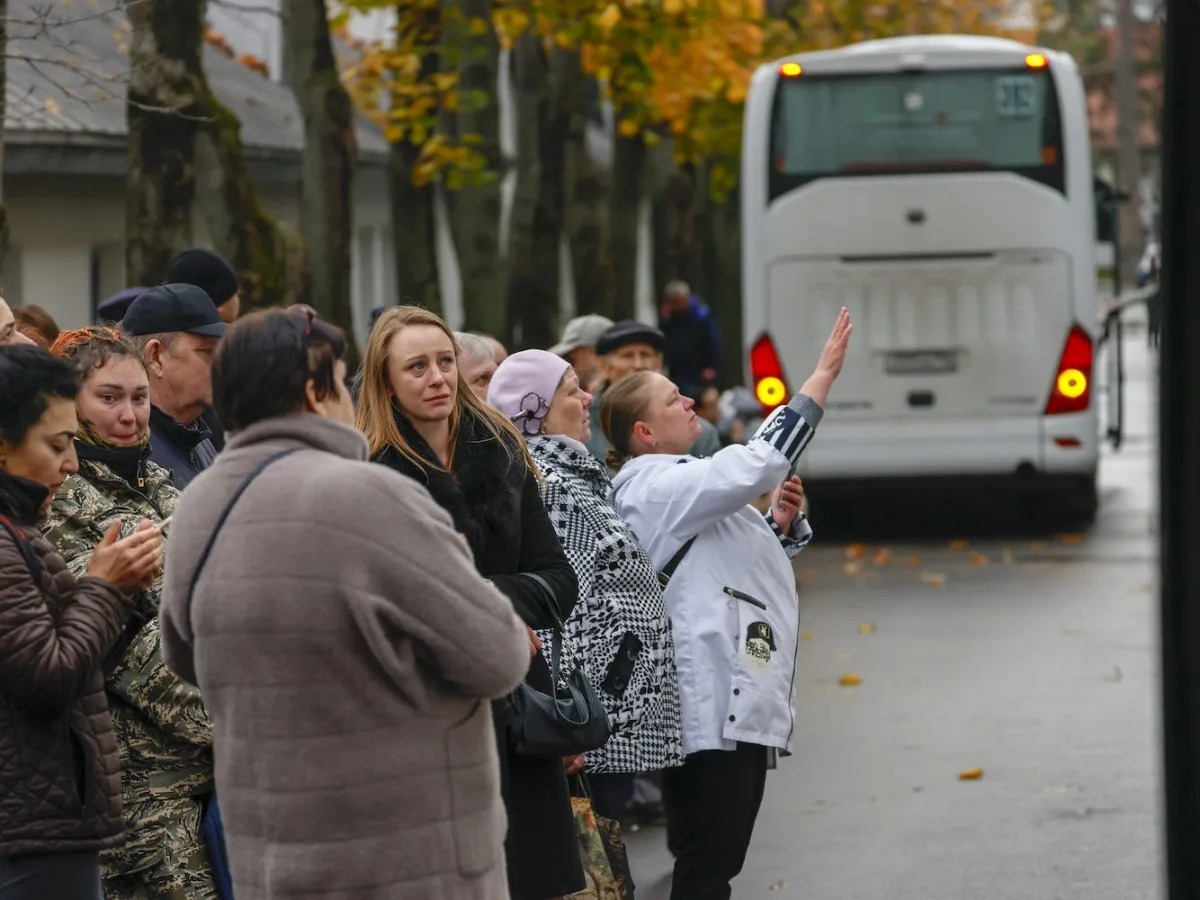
477	362
178	328
578	347
627	347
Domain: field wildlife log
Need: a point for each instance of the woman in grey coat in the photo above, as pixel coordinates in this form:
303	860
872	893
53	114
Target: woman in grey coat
345	650
620	627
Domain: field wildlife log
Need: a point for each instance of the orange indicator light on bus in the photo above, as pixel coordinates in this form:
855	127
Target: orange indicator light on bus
1072	383
790	70
1036	61
770	391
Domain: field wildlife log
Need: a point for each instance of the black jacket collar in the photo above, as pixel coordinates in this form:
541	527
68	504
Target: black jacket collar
21	499
482	493
186	437
128	463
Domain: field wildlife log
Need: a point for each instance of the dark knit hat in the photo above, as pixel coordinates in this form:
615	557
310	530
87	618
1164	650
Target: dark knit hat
629	332
206	270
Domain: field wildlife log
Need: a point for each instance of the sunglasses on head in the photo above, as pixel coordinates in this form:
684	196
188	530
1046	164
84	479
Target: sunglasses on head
310	316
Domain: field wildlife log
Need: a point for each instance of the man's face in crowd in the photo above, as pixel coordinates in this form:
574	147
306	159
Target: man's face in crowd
636	357
181	370
8	327
586	364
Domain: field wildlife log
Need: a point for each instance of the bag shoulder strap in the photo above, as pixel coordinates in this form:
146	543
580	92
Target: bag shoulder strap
212	538
556	637
664	577
25	549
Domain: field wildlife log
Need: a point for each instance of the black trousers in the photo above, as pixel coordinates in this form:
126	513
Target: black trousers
66	876
712	802
611	794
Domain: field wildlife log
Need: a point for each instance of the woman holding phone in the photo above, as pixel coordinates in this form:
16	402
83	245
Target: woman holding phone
731	598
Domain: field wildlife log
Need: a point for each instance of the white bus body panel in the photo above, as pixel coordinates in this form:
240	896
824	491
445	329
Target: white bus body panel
995	277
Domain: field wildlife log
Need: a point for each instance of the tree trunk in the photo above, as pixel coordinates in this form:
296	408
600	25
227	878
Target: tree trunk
268	256
526	289
1129	160
330	155
584	212
414	229
165	110
625	194
670	189
725	287
471	48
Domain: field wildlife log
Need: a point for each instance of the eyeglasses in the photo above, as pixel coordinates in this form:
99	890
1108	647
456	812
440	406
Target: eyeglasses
309	314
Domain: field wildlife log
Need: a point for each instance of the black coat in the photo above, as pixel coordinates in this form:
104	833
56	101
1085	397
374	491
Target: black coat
493	499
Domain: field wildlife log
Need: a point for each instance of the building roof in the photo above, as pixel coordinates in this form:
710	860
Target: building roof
67	64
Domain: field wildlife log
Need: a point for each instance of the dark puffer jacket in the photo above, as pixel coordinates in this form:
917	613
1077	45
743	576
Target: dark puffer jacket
60	789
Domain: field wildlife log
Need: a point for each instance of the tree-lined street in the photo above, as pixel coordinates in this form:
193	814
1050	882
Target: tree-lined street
1030	655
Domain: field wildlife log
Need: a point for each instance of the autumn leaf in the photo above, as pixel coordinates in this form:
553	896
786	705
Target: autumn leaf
959	545
850	680
978	559
883	557
913	561
935	579
51	105
806	636
852	568
610	17
866	627
855	551
971	775
1070	539
628	128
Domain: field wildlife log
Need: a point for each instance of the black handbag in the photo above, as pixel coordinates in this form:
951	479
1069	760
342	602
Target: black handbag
567	723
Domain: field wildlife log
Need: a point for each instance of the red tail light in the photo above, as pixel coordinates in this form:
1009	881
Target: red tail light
1072	388
770	383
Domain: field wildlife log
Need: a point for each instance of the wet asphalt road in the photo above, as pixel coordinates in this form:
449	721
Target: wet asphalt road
1029	654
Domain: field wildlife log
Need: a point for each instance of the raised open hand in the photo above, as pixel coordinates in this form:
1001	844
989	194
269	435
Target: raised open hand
829	366
834	353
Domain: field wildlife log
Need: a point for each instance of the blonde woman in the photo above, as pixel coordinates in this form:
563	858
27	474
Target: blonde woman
421	418
731	599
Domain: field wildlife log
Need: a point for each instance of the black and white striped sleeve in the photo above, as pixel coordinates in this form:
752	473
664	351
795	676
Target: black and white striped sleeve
795	540
789	428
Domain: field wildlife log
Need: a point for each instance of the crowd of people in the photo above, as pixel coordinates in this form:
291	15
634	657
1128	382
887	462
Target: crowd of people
274	629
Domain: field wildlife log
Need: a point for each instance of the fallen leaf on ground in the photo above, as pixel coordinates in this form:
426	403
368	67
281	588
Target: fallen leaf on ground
778	886
866	627
855	551
1037	545
806	636
807	575
913	561
936	579
959	545
1070	538
852	568
883	556
970	775
850	680
978	559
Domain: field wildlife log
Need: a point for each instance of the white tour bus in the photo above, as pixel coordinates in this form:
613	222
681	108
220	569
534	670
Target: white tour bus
940	188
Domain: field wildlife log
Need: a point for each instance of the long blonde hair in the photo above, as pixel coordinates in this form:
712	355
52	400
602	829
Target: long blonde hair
376	413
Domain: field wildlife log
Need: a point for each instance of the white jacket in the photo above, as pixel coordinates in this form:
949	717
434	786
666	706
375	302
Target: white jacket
732	601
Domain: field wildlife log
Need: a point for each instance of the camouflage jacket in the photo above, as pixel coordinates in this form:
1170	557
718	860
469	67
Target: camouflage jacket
163	730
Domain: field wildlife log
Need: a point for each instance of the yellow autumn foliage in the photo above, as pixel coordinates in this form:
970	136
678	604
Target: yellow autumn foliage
678	67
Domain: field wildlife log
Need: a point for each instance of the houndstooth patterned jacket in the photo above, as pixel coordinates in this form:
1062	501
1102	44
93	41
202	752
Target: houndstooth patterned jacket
618	593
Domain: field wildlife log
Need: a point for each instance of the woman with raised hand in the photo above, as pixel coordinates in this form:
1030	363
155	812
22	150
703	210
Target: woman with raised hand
163	730
421	418
58	632
619	627
731	598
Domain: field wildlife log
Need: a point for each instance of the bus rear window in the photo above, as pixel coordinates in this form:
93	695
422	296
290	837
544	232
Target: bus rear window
916	123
